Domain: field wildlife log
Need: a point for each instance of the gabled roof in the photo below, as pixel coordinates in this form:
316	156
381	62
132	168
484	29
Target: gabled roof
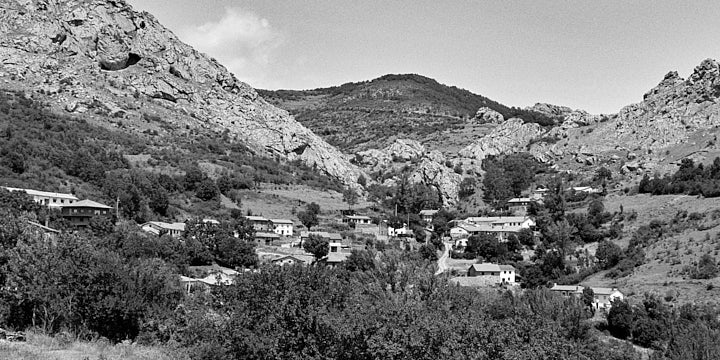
281	221
267	235
89	204
323	234
256	218
43	193
519	200
179	226
575	288
497	219
358	217
428	212
489	267
308	259
604	291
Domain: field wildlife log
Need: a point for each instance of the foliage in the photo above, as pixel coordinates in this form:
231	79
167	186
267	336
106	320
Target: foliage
508	175
309	216
688	179
428	252
608	254
706	268
316	245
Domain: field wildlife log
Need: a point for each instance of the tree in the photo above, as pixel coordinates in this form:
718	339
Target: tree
193	177
706	269
428	252
206	190
309	217
608	254
620	319
588	297
526	237
360	260
362	181
441	221
350	197
317	246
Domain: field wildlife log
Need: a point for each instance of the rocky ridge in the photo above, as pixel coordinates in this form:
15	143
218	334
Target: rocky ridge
102	56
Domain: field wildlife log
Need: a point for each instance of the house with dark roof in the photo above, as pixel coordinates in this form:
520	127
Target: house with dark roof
282	227
502	274
81	212
293	259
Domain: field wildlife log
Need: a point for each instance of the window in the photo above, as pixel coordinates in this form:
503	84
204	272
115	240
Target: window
62	201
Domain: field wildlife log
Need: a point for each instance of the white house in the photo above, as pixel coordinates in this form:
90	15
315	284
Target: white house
158	227
282	227
49	199
501	227
293	259
259	223
502	274
601	296
428	215
404	231
357	219
519	205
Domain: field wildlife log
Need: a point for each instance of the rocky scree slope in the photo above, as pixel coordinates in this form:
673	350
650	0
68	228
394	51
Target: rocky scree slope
102	56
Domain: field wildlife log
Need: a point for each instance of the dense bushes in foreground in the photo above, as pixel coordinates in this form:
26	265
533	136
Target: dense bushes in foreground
688	179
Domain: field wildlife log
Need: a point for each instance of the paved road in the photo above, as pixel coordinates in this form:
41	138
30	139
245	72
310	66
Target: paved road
442	261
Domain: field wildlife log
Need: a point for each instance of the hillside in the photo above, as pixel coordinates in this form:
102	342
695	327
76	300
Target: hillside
371	114
115	67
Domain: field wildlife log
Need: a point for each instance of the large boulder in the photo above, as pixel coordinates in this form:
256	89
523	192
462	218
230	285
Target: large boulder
486	115
511	136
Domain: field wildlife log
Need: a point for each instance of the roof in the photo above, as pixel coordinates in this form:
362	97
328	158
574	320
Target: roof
520	200
359	217
604	291
489	267
281	221
266	235
88	203
497	219
428	212
256	218
323	234
43	193
301	258
576	288
167	226
336	257
43	227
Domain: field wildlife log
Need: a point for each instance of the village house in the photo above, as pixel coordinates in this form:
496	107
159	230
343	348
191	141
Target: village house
220	277
293	259
260	223
519	206
403	231
501	227
175	230
357	219
586	189
501	274
266	238
329	237
602	297
428	215
282	227
539	193
80	212
49	199
335	255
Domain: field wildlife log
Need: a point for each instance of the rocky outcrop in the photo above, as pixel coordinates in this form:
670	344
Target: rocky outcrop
445	180
405	149
103	52
511	136
487	115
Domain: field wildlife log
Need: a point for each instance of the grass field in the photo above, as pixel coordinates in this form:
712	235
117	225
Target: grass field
42	347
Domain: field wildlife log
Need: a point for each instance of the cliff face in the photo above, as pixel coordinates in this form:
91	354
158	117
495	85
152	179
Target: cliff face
86	54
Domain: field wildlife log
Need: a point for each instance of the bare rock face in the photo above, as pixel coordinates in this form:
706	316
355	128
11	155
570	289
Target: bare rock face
405	149
445	180
511	136
486	115
102	51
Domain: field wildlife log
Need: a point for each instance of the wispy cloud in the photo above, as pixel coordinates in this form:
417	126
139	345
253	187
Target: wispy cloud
243	41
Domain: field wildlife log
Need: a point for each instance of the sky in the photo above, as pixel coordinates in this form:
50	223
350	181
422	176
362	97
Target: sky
594	55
